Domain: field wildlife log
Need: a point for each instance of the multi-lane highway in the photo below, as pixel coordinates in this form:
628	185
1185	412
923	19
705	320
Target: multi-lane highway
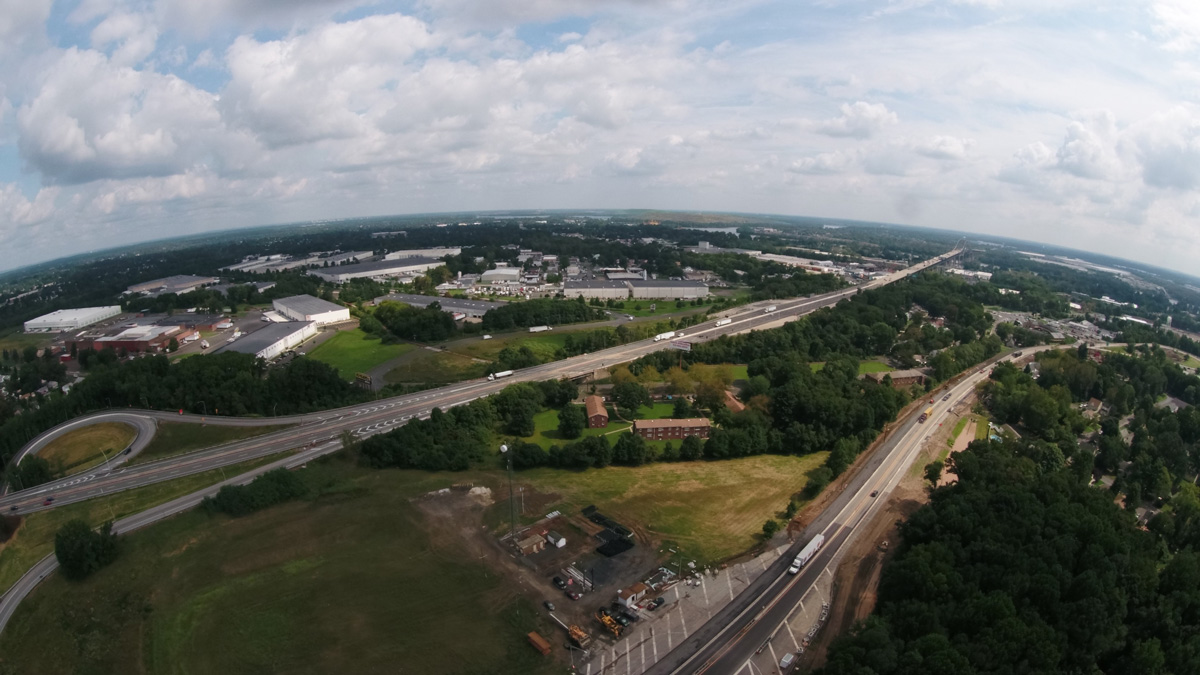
726	644
318	433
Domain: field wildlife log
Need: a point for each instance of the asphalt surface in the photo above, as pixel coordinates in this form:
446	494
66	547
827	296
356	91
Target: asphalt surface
320	433
726	643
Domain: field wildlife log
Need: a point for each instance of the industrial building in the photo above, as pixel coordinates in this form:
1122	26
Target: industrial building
272	340
668	289
901	379
638	289
471	308
604	290
70	319
378	269
657	430
436	252
510	275
178	284
597	414
147	337
308	308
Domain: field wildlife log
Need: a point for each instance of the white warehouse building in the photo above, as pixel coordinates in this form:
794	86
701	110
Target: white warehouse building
273	340
668	289
308	308
377	269
70	319
438	252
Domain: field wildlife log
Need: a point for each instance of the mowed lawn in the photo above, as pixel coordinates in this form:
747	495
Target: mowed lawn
713	510
176	438
349	583
545	425
35	539
543	345
353	351
84	448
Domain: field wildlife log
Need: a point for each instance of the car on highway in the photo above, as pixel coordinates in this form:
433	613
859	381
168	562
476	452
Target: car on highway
558	581
13	507
946	397
875	493
47	501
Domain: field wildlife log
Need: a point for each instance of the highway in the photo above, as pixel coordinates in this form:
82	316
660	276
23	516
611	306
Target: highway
726	643
320	433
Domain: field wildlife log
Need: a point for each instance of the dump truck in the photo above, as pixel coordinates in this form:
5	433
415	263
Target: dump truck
539	643
926	414
503	373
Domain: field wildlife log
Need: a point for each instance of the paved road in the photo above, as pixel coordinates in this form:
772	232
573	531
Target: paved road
319	433
725	644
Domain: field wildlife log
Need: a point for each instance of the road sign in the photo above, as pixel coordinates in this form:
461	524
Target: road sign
681	345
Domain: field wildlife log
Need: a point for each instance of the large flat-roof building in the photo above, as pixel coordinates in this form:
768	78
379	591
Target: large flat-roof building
271	340
604	290
436	252
668	289
70	319
638	289
657	430
308	308
471	308
501	275
179	284
146	337
378	269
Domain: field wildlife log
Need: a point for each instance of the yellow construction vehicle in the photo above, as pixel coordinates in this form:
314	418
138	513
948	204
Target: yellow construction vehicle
611	624
579	636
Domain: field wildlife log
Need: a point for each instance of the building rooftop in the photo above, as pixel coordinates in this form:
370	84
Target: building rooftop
670	423
595	406
308	305
598	283
448	304
667	283
262	338
380	266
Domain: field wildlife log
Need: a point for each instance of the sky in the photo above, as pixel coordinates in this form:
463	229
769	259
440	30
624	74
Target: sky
1067	122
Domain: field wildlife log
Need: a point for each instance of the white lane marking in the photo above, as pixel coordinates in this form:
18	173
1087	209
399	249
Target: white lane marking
654	643
795	642
771	648
729	581
682	623
704	587
669	645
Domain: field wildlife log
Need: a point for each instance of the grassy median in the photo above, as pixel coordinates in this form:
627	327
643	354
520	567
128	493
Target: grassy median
176	438
84	448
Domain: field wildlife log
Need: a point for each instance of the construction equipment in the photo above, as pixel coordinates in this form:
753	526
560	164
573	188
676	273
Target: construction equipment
579	636
611	624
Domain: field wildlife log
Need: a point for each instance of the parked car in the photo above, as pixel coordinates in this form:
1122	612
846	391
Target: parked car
559	582
549	605
658	602
574	595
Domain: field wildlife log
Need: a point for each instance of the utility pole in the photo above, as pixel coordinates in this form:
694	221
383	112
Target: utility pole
512	513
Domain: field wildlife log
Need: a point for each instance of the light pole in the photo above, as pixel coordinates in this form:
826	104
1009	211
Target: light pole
512	514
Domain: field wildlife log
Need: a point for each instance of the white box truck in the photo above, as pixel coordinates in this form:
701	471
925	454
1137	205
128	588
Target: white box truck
772	308
503	373
806	554
539	329
724	322
664	336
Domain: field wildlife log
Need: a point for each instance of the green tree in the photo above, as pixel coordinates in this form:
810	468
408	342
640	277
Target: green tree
933	471
691	449
173	345
81	551
31	472
630	396
571	421
769	528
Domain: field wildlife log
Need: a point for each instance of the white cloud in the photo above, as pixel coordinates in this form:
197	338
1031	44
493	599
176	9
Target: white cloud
1168	146
1089	149
944	147
1178	23
21	18
826	163
858	120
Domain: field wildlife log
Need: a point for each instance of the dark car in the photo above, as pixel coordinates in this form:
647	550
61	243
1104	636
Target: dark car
13	507
658	602
549	605
574	595
48	501
621	619
875	492
559	582
946	397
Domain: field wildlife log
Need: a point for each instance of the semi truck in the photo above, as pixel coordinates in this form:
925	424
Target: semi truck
772	308
723	322
926	414
539	329
664	336
806	554
503	373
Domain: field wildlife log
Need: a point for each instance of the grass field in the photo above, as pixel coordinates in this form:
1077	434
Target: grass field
958	428
543	345
348	583
429	367
864	367
711	509
353	351
176	438
84	448
661	307
982	430
17	340
35	539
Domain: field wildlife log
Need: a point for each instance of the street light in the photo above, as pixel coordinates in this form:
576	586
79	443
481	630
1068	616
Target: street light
512	514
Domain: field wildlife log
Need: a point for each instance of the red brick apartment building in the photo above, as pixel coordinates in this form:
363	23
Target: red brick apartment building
658	430
597	414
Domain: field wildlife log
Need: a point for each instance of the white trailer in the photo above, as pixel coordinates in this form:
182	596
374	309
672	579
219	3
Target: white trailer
723	322
539	329
772	308
806	554
503	373
664	336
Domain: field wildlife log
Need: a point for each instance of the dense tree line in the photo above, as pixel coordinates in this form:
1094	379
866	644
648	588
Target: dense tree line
228	384
273	487
540	312
1063	581
81	551
794	285
421	324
